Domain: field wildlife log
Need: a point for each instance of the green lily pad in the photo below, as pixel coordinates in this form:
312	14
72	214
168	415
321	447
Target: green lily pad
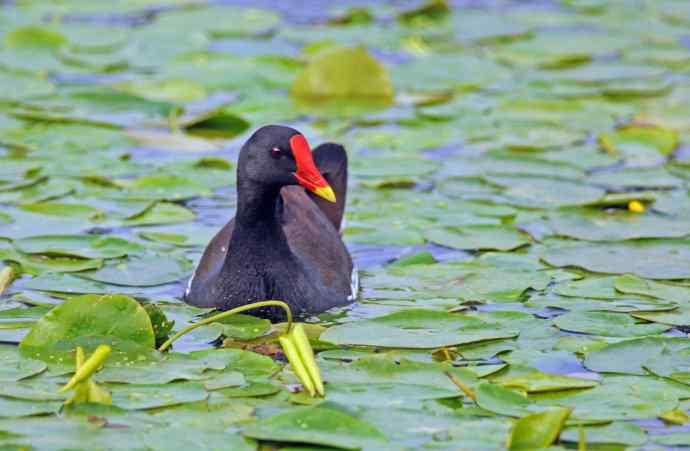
538	430
630	284
184	235
634	306
628	356
549	193
34	37
606	324
590	287
79	211
203	366
33	389
387	368
112	319
615	433
160	213
595	225
344	73
533	381
652	259
23	225
671	365
220	21
630	178
65	283
41	264
146	271
498	399
23	87
323	425
673	439
622	398
168	187
479	237
14	408
640	144
140	397
415	329
679	317
382	394
84	246
15	367
561	49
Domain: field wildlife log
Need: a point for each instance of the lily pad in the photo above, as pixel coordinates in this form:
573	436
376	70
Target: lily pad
15	367
652	259
84	246
324	425
13	408
538	430
111	318
628	356
593	225
344	73
145	271
615	433
671	365
479	237
196	366
630	284
159	213
606	324
544	192
640	144
415	329
140	397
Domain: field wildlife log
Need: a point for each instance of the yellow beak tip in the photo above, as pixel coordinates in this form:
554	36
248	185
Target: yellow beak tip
325	192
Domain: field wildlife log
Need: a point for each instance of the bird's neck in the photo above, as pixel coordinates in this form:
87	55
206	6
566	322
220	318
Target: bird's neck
256	204
258	230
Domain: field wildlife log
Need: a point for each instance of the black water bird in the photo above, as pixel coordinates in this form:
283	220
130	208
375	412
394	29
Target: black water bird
284	242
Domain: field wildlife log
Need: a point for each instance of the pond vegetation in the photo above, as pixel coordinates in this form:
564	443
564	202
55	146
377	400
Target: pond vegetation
518	209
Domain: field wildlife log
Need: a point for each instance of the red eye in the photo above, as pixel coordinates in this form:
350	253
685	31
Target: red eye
276	152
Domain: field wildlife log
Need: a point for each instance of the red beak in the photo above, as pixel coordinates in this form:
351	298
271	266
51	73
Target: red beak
308	174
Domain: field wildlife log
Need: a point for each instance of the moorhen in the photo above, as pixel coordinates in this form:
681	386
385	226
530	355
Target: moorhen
284	242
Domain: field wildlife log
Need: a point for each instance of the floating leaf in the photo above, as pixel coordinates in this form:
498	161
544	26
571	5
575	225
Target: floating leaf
615	433
160	213
628	356
324	425
84	246
479	237
139	397
652	259
594	225
640	144
112	319
538	430
415	329
14	367
145	271
344	73
606	324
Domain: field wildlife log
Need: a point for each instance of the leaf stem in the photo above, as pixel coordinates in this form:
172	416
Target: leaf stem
464	388
225	314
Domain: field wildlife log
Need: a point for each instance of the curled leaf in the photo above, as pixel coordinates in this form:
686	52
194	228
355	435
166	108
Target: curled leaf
306	354
297	365
85	389
89	367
